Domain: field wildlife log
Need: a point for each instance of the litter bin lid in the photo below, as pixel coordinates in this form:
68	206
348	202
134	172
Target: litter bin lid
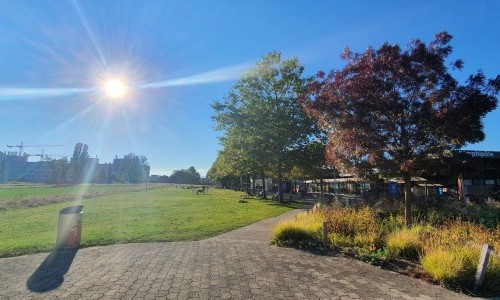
76	209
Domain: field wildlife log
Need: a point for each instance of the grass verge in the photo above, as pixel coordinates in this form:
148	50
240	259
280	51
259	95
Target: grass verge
166	214
17	196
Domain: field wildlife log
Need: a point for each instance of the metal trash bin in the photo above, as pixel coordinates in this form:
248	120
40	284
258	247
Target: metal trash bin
69	228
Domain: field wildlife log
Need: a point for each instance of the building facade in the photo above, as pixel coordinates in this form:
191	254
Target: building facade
17	168
474	175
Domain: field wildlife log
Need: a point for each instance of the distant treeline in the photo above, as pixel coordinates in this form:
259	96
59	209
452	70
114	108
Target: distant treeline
183	176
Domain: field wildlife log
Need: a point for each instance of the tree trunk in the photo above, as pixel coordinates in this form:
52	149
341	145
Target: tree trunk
460	185
321	187
264	185
407	191
253	184
247	185
280	182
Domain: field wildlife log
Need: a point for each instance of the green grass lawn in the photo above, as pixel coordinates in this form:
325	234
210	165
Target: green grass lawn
165	214
16	196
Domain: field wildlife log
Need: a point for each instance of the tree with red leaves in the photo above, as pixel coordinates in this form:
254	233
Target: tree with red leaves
390	109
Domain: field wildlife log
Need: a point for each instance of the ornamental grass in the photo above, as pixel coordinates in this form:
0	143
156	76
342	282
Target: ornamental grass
406	242
449	253
304	232
456	268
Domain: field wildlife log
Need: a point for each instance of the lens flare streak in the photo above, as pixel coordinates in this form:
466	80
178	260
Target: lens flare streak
27	93
213	76
90	33
217	75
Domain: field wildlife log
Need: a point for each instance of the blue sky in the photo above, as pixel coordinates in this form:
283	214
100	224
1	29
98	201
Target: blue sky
180	56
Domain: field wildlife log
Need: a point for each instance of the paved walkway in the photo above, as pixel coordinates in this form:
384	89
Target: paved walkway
236	265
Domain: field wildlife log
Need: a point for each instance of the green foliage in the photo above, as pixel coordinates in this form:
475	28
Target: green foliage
78	160
133	169
482	214
262	120
340	241
373	257
166	214
189	176
389	224
487	215
59	169
309	162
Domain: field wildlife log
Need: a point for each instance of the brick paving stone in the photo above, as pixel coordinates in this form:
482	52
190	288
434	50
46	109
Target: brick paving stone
236	265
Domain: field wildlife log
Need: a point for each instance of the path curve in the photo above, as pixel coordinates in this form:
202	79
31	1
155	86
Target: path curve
236	265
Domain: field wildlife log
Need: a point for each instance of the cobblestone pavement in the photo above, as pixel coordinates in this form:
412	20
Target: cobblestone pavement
236	265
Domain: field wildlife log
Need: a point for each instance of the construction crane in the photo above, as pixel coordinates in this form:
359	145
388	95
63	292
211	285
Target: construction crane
21	146
44	156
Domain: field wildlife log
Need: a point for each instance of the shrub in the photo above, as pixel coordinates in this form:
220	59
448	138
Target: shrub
349	227
405	243
442	265
373	257
350	222
455	234
340	241
389	224
365	240
360	240
304	232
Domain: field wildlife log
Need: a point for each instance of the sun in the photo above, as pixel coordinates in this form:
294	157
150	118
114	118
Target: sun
115	88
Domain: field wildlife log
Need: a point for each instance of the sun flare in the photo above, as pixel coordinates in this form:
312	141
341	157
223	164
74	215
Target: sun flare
115	88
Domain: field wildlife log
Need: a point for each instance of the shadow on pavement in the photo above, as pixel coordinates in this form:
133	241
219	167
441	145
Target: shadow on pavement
50	274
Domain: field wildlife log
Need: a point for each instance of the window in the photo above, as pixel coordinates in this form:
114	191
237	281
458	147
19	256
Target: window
489	182
477	181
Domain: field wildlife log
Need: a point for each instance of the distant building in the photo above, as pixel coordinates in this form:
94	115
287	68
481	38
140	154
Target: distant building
476	177
484	175
14	167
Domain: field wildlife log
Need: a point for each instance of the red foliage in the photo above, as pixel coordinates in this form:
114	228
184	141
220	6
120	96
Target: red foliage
390	108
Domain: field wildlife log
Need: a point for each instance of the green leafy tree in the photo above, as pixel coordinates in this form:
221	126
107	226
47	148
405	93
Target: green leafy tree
133	169
58	169
162	179
221	170
309	163
3	169
240	157
261	115
389	110
78	161
183	176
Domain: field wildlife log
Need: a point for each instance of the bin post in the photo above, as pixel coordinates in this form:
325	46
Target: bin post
325	234
69	228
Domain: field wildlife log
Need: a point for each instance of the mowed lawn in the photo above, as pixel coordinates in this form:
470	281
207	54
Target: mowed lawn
164	214
25	195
